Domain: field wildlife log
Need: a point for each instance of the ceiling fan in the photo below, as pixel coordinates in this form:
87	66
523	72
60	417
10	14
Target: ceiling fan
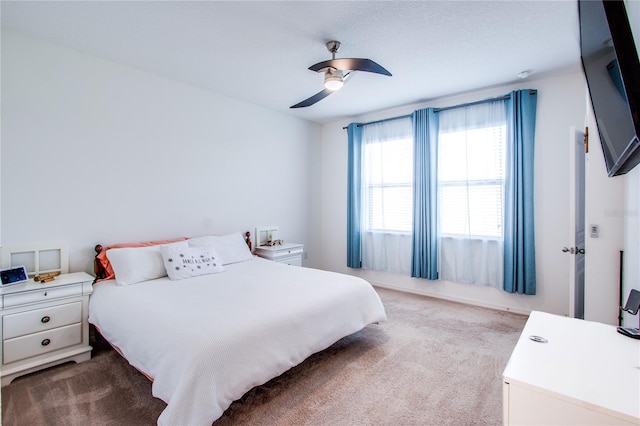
337	71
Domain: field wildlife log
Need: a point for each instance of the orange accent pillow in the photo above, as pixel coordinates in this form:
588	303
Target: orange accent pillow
102	256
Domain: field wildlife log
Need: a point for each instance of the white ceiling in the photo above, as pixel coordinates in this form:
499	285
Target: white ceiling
259	52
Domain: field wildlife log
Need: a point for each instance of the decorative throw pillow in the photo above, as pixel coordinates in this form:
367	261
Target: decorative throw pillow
232	248
134	265
185	262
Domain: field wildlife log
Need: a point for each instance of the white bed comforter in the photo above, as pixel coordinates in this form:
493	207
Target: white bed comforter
205	341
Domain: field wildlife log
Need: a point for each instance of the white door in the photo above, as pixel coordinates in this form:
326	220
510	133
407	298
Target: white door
575	249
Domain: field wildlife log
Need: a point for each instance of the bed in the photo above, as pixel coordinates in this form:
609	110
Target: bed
206	339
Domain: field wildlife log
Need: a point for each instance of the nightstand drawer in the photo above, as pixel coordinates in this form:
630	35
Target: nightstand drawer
287	252
41	319
283	253
43	295
41	343
292	261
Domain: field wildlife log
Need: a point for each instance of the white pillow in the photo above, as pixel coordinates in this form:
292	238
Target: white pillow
232	248
185	262
136	264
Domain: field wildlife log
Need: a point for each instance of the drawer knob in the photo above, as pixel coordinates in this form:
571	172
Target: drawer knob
45	342
45	319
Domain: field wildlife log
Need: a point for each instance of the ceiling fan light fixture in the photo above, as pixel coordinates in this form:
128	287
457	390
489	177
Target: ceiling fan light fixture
333	80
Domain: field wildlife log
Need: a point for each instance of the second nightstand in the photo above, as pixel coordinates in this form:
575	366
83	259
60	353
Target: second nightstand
289	253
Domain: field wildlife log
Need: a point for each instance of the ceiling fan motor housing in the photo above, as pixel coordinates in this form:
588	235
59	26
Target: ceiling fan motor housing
333	47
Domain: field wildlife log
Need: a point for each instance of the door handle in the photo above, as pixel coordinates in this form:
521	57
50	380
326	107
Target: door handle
572	250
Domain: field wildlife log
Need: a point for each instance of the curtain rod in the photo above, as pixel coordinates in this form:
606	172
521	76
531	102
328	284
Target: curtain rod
468	104
382	121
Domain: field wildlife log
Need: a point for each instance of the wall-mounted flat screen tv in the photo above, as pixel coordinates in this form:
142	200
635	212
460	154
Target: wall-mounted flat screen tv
611	67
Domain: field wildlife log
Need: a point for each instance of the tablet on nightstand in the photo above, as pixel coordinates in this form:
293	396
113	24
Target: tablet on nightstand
13	275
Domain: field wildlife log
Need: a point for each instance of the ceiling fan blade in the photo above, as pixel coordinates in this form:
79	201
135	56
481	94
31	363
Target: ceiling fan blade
312	100
351	64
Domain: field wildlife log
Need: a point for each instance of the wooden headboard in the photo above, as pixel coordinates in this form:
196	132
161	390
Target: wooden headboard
101	273
98	269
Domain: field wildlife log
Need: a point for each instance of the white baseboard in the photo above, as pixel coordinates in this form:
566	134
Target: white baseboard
453	299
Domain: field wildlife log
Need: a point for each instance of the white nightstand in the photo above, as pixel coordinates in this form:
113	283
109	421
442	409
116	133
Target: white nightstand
289	253
42	325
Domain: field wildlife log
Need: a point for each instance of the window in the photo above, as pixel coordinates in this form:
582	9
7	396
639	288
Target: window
387	196
388	167
471	187
471	181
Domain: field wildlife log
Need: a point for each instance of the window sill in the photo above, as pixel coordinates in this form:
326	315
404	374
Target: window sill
382	232
471	237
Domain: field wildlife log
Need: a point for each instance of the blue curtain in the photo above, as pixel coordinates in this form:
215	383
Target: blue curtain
519	238
354	194
425	191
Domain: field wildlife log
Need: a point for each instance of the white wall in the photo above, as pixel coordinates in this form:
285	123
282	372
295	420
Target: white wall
632	198
633	13
631	247
605	207
561	104
96	152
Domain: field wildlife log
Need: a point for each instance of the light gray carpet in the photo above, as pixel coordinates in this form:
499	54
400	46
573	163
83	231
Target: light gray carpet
432	363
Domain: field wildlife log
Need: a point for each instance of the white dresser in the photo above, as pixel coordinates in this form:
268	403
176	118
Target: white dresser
42	325
289	253
586	373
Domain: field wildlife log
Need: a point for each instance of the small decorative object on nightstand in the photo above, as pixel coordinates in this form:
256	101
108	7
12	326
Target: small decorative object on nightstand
289	253
44	324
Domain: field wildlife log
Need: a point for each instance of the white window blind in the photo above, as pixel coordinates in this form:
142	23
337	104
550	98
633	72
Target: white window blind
389	185
471	172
